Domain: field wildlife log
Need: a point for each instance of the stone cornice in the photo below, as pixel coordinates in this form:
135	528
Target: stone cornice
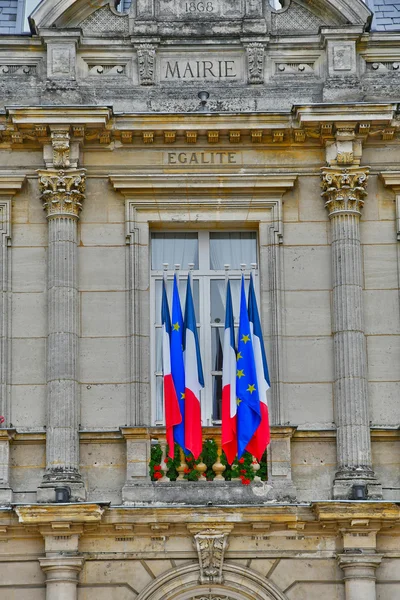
10	183
392	179
36	514
177	185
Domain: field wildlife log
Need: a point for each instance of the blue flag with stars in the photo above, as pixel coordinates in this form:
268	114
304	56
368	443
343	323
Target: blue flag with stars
177	363
248	399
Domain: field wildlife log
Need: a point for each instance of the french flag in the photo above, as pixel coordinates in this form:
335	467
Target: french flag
262	436
194	380
229	366
172	411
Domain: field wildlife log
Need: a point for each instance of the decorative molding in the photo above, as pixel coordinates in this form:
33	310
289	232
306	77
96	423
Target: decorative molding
211	544
61	149
295	68
392	179
146	60
107	70
383	67
18	70
63	192
344	190
39	514
255	62
104	21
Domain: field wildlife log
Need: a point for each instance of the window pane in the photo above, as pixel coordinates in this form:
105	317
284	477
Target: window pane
159	400
182	295
159	365
218	298
217	348
174	249
232	249
217	398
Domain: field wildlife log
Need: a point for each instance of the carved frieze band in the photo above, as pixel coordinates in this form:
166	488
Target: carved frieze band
344	190
63	192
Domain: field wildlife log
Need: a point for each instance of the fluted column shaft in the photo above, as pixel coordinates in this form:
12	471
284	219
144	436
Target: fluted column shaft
62	347
350	387
344	191
62	194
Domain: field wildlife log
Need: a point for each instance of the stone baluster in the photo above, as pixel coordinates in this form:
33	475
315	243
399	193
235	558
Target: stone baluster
62	195
344	191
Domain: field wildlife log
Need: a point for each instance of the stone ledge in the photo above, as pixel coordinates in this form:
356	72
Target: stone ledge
207	494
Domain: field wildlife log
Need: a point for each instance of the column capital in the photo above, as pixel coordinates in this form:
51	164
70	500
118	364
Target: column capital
63	191
359	566
344	190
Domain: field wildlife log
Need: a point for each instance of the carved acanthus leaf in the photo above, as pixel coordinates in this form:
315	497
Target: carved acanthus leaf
63	192
211	545
146	59
60	142
255	60
344	190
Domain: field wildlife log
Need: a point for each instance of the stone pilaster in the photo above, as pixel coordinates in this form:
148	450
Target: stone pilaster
62	573
62	195
344	191
360	575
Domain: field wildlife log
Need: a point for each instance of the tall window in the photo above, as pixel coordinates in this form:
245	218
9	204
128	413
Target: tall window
209	253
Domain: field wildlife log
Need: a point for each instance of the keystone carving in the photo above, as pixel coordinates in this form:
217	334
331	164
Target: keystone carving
61	148
255	61
344	190
146	59
211	545
63	192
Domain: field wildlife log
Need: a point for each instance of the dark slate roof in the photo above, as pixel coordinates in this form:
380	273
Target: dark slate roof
8	16
386	14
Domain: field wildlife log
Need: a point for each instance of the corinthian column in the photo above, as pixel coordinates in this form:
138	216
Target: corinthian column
344	191
62	195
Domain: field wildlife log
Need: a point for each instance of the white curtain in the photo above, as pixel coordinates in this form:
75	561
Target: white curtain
174	249
233	249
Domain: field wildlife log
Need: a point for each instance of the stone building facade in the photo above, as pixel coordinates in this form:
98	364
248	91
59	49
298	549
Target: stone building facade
255	135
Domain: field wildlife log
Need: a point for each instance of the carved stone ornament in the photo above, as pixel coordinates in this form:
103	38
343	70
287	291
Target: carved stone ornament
146	59
63	192
211	545
60	143
211	597
344	190
255	61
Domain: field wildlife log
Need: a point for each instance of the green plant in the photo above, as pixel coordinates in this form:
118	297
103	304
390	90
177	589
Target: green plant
155	470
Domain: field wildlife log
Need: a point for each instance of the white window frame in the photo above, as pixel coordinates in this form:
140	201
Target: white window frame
204	274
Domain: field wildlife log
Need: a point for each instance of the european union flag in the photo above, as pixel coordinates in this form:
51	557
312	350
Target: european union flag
177	363
248	399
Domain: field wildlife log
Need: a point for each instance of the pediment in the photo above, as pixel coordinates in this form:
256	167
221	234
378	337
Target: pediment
199	17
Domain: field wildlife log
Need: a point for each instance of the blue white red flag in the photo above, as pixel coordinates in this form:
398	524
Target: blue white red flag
172	411
194	379
262	436
177	363
229	405
248	399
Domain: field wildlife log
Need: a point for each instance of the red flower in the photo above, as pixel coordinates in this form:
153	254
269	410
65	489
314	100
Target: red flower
243	471
166	460
241	461
2	419
157	467
187	471
158	475
245	481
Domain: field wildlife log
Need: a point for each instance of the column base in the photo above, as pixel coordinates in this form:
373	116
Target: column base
6	496
344	483
57	479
